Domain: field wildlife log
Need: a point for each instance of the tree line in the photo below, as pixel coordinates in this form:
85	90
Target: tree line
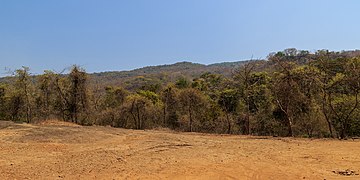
293	93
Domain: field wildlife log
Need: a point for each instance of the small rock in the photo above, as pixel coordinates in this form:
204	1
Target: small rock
346	172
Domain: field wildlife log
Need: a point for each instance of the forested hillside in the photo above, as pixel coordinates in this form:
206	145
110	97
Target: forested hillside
162	74
292	93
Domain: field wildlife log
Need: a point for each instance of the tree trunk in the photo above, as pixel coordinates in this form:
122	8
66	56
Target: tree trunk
138	116
164	109
247	118
133	115
326	116
190	119
288	119
28	111
229	123
247	124
329	124
289	124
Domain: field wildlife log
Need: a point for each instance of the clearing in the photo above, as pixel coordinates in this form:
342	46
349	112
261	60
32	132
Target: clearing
58	150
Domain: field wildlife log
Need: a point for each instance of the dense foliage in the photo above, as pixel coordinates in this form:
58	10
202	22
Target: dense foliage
293	93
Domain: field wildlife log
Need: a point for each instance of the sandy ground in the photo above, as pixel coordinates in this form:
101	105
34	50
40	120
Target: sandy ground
66	151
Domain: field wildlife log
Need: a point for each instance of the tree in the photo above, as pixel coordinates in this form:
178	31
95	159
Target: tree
14	105
209	83
245	88
339	80
229	101
260	105
153	97
295	93
140	109
115	96
72	93
77	93
327	68
2	101
23	85
111	107
169	97
343	96
291	52
45	83
286	93
308	113
192	102
182	83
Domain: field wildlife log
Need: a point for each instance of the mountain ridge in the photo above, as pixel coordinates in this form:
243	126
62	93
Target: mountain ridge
157	74
177	64
162	74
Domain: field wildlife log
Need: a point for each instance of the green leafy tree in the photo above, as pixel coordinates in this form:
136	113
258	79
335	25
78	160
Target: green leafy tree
343	96
182	83
141	110
46	89
260	106
229	101
192	103
286	94
115	96
246	88
111	109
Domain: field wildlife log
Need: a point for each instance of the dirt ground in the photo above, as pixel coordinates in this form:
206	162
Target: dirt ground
66	151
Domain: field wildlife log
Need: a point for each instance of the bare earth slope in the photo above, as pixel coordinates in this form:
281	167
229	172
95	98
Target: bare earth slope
65	151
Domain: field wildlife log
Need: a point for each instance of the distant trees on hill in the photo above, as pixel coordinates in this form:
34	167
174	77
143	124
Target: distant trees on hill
293	93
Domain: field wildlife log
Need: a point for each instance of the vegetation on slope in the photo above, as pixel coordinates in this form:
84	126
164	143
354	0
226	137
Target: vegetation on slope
293	93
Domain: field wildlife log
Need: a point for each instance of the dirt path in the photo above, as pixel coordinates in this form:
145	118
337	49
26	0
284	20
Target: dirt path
61	151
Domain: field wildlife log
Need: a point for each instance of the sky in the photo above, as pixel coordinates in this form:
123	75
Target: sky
106	35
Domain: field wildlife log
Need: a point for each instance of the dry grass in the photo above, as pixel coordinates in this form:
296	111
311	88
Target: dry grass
58	150
56	123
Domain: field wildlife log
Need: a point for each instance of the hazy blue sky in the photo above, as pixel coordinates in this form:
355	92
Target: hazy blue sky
105	35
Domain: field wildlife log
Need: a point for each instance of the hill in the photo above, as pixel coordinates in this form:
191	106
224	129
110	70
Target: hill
169	73
159	74
164	73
